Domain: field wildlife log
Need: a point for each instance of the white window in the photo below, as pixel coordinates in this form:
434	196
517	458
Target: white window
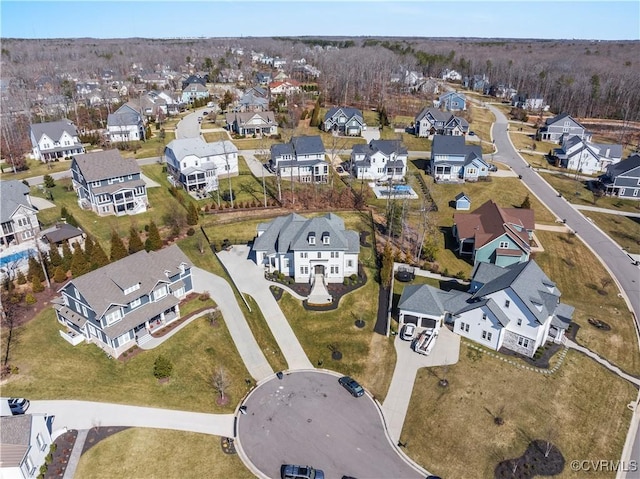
41	444
484	316
524	342
504	244
350	263
27	234
131	289
84	311
622	190
285	263
135	303
325	239
113	316
507	303
30	466
75	290
486	335
635	191
519	322
319	255
312	239
304	254
464	327
160	293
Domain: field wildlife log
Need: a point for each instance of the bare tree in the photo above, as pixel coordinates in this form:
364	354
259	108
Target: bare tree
221	381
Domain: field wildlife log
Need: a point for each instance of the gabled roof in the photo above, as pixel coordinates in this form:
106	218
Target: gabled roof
15	439
489	222
183	147
386	147
461	195
436	114
61	232
448	145
347	111
13	194
536	291
291	233
307	145
630	163
53	129
561	117
243	118
433	301
102	165
449	94
124	116
105	286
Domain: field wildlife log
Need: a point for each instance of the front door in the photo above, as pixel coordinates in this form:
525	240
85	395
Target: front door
318	269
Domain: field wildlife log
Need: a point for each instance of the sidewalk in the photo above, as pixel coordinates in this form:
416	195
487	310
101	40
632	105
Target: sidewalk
603	362
606	210
78	446
154	342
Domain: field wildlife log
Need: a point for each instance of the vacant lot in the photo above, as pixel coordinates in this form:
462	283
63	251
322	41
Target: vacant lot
581	409
148	453
624	230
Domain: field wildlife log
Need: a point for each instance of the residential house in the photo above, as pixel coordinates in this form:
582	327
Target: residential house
451	75
303	248
451	101
586	157
560	126
18	216
25	441
302	159
62	233
254	99
516	307
54	140
118	305
344	120
258	123
125	125
492	234
230	75
429	86
264	78
431	121
379	160
462	202
623	179
502	91
109	184
531	103
193	79
199	165
194	91
280	76
477	83
285	87
453	161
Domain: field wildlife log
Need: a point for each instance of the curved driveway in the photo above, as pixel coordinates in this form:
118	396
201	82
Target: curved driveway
616	261
308	418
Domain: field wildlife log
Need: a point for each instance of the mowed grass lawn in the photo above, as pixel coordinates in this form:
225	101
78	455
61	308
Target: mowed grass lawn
50	368
579	277
624	230
451	431
149	453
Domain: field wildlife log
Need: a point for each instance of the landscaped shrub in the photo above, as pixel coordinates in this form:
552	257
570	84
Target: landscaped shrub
30	299
204	296
191	232
460	275
354	278
162	367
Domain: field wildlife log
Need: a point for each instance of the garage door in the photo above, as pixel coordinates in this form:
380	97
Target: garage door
410	319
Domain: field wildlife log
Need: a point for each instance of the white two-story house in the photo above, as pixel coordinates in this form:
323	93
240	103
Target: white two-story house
302	159
384	160
118	305
304	247
125	124
18	216
25	440
199	165
55	140
109	184
586	157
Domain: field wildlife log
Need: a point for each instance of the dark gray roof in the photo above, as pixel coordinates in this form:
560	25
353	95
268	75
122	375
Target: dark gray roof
562	316
461	195
105	286
387	147
474	152
124	116
60	232
53	129
291	233
628	164
448	145
615	151
348	112
422	298
13	194
437	115
280	149
307	145
102	165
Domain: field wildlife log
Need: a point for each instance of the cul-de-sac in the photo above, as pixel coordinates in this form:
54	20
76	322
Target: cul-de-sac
308	257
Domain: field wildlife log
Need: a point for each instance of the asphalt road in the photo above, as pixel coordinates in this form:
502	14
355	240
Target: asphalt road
307	418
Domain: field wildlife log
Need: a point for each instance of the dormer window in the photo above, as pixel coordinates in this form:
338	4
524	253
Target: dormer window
326	238
312	238
131	289
507	303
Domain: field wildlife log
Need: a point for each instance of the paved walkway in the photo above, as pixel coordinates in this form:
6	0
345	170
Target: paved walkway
606	210
41	203
87	414
249	278
561	228
396	403
245	342
155	342
76	452
615	369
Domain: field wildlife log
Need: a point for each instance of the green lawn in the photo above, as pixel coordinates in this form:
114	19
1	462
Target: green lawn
264	336
35	168
624	230
85	373
150	453
451	431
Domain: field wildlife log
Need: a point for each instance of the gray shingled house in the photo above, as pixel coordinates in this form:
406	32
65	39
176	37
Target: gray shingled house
118	305
18	217
431	121
623	179
560	126
454	161
344	120
55	140
109	184
305	248
302	159
125	124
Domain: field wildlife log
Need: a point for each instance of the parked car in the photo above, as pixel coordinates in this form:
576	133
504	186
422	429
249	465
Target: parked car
471	133
408	332
493	168
352	386
19	405
290	471
199	119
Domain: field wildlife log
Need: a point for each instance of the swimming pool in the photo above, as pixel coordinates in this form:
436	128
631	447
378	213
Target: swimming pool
14	257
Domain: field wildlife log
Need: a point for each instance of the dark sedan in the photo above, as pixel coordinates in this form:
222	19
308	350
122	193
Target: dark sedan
352	386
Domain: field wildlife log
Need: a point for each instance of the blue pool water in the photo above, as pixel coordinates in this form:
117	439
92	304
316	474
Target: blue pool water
4	260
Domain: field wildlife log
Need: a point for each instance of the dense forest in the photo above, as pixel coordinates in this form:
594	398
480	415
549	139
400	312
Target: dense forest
583	78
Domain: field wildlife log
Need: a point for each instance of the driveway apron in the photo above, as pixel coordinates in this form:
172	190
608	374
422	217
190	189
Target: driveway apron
249	279
245	342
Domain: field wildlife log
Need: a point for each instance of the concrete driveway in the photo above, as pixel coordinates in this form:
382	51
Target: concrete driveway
396	404
308	418
255	165
371	133
249	278
245	342
87	414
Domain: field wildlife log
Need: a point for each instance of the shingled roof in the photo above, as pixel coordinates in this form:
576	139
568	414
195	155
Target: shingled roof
13	194
102	165
53	129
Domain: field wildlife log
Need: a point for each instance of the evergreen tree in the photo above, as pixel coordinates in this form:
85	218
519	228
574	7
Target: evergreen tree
21	278
387	266
153	242
67	256
36	285
118	251
35	270
79	265
99	257
135	243
526	204
59	276
88	249
54	256
192	214
315	114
